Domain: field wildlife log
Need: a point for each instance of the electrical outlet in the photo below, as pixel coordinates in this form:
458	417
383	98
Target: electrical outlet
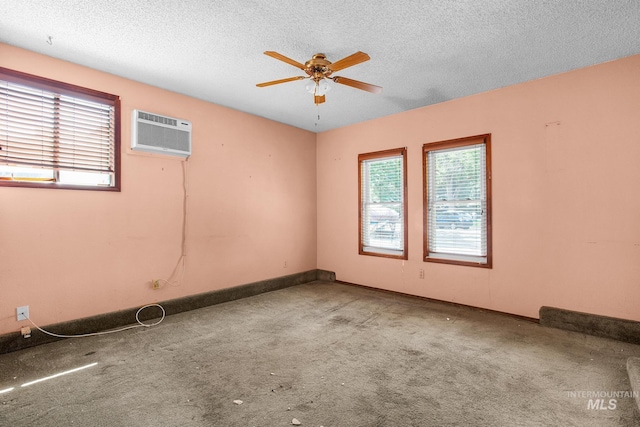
22	313
155	283
421	273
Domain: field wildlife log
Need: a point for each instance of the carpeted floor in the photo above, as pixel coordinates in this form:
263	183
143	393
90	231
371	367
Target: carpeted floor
325	354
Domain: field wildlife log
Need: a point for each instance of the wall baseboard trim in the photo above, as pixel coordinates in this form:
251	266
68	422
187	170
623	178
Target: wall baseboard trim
117	319
442	302
591	324
633	369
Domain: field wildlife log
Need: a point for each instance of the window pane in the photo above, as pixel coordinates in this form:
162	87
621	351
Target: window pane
85	178
457	211
25	173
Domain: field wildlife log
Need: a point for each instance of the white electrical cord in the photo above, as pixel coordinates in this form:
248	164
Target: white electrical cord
140	324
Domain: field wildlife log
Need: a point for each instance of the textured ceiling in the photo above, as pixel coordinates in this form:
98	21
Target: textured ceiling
422	52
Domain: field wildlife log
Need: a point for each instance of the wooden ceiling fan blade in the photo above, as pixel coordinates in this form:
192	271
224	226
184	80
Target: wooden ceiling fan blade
349	61
275	82
283	58
357	84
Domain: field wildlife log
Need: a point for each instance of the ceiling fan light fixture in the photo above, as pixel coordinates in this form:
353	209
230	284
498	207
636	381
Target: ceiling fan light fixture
310	86
322	87
318	88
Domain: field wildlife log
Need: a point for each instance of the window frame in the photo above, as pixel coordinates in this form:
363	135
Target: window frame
62	88
448	144
402	152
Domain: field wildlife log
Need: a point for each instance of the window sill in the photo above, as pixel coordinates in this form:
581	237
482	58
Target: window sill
385	253
469	261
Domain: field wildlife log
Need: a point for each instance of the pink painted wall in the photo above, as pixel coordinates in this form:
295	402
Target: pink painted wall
251	207
566	198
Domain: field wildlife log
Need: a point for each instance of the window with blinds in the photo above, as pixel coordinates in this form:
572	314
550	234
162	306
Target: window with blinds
457	201
383	208
57	135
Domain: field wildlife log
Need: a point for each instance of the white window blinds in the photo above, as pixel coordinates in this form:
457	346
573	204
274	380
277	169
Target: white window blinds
53	133
457	203
382	198
57	135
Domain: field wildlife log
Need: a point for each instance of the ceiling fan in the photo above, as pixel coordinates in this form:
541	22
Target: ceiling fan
318	68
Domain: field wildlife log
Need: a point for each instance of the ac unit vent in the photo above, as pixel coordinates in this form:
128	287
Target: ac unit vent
154	133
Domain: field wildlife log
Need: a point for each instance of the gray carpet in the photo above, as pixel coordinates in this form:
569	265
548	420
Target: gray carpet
326	354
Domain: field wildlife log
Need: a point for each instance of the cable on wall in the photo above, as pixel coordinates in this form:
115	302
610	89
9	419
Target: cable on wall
181	263
92	334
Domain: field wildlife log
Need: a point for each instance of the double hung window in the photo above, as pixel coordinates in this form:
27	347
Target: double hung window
57	135
383	207
457	205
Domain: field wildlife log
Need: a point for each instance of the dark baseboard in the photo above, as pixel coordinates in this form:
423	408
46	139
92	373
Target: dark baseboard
591	324
602	326
443	302
633	369
117	319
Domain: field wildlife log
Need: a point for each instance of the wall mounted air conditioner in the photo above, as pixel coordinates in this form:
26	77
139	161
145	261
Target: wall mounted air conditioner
154	133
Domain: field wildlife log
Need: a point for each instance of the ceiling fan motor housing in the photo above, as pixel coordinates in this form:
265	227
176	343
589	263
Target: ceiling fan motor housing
318	67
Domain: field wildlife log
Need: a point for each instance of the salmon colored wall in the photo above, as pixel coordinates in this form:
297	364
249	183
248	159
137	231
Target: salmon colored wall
566	197
69	254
